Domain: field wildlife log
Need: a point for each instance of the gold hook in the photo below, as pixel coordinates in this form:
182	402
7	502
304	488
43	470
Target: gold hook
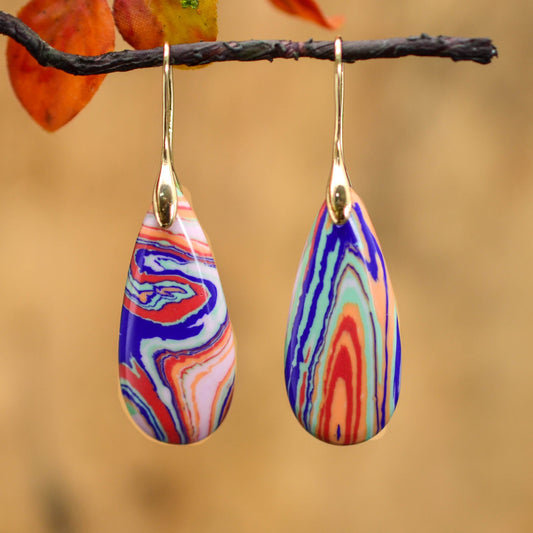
338	197
166	190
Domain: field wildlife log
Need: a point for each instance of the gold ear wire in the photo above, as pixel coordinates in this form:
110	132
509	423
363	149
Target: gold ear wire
338	197
166	190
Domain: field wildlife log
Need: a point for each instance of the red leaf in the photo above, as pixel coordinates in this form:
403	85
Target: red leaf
309	10
151	23
85	27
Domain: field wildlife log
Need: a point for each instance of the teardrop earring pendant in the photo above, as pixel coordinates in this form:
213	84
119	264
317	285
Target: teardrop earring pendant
342	349
176	346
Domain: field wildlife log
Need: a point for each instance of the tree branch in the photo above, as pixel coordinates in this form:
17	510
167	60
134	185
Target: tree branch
456	48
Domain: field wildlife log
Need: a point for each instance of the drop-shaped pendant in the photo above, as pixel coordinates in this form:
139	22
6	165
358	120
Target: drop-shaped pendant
343	352
176	349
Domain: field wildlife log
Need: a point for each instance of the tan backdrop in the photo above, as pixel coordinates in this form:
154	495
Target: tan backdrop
442	155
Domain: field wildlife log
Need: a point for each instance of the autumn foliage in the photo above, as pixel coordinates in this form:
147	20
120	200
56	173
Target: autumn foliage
87	27
309	10
147	24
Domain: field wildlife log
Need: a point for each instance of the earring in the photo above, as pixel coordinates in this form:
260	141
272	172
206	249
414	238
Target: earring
176	347
342	350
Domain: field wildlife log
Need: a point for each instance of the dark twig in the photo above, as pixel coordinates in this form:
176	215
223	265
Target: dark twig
456	48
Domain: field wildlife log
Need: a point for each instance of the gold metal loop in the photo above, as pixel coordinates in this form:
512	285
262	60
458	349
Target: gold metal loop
166	190
338	196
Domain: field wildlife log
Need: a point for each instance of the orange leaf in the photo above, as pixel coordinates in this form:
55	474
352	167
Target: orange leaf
309	10
84	27
150	23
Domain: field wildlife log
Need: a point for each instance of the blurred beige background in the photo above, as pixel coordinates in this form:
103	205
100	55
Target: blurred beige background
442	155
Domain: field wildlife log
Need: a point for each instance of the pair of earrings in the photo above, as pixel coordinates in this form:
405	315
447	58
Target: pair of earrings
177	350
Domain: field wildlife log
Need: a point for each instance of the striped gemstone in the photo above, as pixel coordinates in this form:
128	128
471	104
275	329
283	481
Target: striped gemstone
343	351
176	348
